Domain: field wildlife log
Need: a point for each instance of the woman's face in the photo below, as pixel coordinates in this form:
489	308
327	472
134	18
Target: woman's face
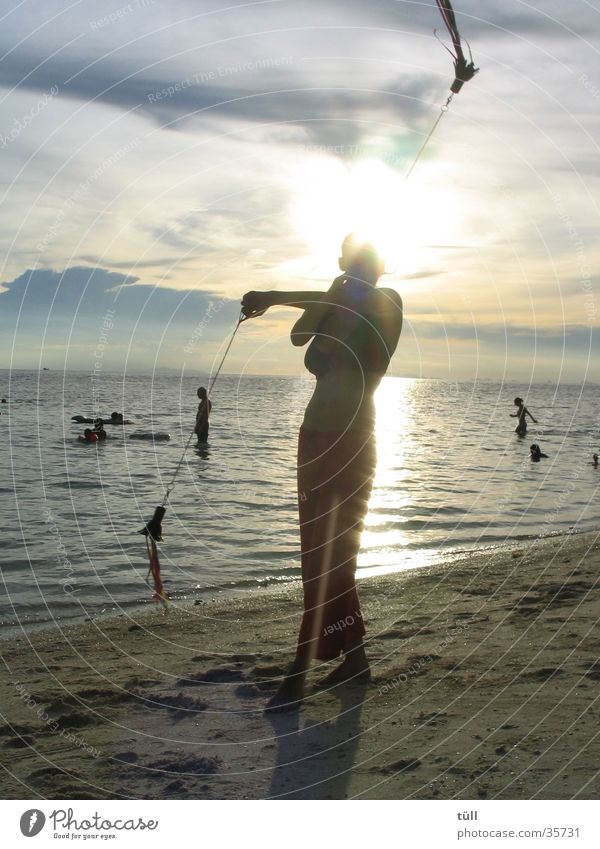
363	269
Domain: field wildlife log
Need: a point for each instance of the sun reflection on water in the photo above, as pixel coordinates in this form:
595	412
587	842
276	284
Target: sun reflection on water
384	544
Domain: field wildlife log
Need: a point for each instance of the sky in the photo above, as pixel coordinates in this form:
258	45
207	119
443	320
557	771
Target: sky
162	158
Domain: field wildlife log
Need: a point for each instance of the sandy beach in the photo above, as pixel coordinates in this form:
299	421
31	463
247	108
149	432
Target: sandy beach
485	685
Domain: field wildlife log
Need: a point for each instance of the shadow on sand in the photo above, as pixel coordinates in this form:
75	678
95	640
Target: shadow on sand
315	760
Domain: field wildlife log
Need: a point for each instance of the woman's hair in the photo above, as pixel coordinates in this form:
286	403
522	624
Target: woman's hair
518	400
361	258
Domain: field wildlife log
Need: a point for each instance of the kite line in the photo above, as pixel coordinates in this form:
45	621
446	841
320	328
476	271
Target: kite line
463	72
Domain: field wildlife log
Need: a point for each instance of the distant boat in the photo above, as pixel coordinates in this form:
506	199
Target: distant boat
45	369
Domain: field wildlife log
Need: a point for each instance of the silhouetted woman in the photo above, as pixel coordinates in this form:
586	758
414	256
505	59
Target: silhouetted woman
353	330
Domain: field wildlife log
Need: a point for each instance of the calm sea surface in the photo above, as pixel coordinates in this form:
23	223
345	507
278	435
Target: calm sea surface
451	475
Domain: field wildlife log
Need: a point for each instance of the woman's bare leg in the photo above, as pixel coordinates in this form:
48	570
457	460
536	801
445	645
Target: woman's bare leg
354	667
291	691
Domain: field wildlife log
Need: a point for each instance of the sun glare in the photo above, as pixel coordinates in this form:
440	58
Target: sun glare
385	543
404	219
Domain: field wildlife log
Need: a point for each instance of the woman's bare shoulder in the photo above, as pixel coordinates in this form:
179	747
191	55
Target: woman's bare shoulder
388	300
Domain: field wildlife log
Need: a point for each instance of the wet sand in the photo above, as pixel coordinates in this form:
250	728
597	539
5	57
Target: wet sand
486	677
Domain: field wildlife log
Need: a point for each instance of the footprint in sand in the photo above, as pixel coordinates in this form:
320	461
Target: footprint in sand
249	691
593	670
430	718
543	674
178	705
176	790
125	757
422	659
90	697
136	681
220	675
45	773
20	742
269	671
15	730
76	720
183	765
404	765
396	635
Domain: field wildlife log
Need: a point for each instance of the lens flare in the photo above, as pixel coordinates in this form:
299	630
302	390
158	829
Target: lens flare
403	220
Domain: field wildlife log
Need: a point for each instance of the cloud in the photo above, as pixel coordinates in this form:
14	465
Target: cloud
507	335
312	111
227	104
423	274
474	17
114	265
70	306
79	289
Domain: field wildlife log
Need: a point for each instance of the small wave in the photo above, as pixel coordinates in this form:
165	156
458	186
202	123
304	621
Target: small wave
77	484
22	565
258	581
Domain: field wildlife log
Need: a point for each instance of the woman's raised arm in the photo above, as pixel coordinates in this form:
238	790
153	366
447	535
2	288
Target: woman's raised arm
256	303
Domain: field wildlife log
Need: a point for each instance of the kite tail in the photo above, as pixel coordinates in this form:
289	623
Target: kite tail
449	17
153	531
160	595
463	70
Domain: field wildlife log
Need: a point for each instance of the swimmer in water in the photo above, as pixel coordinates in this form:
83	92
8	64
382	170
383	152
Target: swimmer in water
522	412
99	429
595	461
88	436
536	453
116	418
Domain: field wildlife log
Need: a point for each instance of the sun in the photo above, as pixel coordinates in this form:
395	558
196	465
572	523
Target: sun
405	220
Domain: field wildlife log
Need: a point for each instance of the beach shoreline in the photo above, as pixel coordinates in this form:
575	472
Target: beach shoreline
419	559
485	672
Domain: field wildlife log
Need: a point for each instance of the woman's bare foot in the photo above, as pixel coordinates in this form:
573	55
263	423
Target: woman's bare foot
291	692
351	669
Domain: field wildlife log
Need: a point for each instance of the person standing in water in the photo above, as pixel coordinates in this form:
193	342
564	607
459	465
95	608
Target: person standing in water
353	330
522	412
204	408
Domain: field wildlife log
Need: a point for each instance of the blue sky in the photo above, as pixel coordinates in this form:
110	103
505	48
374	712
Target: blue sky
162	158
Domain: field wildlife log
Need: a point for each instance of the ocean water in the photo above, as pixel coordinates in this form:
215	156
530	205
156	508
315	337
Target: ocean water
452	475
